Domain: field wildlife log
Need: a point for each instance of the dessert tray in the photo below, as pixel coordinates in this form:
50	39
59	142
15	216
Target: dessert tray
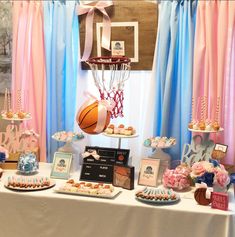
120	131
18	116
157	196
17	119
25	183
64	136
206	131
160	142
120	136
88	189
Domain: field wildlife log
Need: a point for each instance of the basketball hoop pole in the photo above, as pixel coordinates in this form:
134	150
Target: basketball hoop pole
119	142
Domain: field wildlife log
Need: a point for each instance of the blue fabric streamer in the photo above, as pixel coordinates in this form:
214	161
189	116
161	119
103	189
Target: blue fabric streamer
174	71
61	45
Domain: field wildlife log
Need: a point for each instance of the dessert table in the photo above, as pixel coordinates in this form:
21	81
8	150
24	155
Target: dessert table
47	214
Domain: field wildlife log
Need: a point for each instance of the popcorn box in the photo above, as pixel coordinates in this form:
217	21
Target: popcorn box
11	162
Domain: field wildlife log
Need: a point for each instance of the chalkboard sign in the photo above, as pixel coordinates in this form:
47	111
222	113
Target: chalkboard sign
102	170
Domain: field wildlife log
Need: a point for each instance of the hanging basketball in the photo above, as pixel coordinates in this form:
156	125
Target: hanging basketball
94	116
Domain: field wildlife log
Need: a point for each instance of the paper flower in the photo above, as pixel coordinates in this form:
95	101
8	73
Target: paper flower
197	170
210	172
177	178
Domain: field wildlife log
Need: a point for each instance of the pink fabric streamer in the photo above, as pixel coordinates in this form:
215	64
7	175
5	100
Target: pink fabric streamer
214	65
28	65
89	9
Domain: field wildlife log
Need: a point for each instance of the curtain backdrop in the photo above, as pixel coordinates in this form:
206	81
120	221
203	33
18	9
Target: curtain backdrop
214	65
174	62
61	42
28	65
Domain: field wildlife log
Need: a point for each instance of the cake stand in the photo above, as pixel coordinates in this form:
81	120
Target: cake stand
71	147
15	122
120	137
165	159
200	148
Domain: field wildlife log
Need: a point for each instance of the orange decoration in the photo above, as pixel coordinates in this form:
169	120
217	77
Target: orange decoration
88	118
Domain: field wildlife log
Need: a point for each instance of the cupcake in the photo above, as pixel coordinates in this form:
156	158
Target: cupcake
110	129
202	125
216	126
9	114
190	125
21	115
121	128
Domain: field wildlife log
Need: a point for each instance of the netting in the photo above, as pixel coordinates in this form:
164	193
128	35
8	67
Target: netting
110	74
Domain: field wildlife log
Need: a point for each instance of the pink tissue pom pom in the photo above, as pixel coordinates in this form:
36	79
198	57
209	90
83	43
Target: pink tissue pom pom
221	178
176	179
197	169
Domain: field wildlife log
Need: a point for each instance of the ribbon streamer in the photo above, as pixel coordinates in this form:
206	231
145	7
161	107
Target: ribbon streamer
106	35
91	153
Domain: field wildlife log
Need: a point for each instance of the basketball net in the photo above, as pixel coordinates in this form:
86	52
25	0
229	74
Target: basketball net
110	74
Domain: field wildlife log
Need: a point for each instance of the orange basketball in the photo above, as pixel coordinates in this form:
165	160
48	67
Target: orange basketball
88	117
200	197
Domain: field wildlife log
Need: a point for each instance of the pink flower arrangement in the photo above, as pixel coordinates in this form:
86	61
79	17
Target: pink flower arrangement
210	172
177	178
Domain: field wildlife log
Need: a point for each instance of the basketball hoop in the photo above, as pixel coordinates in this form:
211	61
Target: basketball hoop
110	74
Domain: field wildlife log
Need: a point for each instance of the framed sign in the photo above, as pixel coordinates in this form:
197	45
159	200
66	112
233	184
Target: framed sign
219	151
135	25
149	172
101	170
219	201
123	176
61	165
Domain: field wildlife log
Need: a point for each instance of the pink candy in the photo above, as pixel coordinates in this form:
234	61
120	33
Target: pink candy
177	179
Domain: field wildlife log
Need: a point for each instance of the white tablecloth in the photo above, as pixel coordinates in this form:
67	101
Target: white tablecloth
48	214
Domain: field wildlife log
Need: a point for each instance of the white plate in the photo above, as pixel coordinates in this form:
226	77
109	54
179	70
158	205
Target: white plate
119	135
72	140
52	184
204	131
17	119
159	202
160	147
112	195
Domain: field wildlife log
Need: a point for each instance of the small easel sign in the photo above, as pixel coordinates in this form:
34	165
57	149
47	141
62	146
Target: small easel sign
219	201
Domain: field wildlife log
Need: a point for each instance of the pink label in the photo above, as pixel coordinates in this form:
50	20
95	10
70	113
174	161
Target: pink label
219	201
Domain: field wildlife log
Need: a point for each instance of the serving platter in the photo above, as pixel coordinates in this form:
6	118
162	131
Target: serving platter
147	193
205	131
120	136
17	119
108	196
28	189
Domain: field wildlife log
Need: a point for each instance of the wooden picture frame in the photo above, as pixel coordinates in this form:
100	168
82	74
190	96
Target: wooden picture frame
124	176
219	151
131	26
148	174
61	165
221	147
122	12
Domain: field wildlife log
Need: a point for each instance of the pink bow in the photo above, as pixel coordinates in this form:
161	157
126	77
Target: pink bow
89	9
